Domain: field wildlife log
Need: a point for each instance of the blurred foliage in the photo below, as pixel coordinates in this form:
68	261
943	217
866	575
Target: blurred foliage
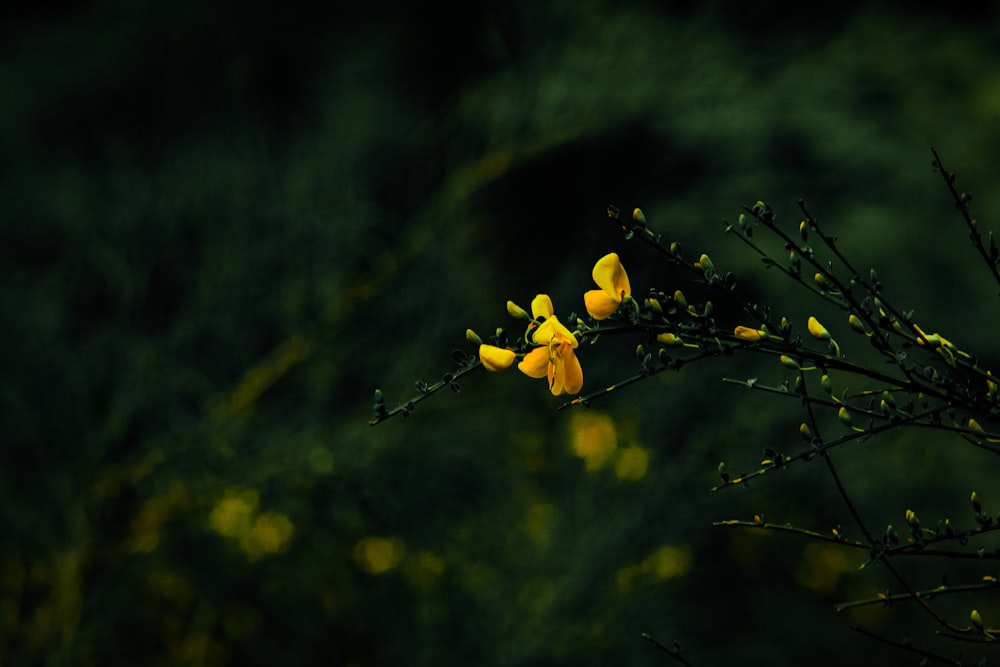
224	226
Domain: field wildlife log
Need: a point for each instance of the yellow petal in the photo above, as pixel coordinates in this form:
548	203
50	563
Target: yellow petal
573	373
610	276
564	372
541	307
600	304
496	358
553	328
536	363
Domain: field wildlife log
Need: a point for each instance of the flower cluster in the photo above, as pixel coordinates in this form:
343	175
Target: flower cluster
923	380
552	353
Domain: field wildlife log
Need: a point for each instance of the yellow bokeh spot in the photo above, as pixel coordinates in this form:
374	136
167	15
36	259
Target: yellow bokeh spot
270	533
822	566
593	438
235	516
376	555
667	562
632	463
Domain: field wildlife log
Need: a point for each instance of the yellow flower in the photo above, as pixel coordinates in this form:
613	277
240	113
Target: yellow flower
496	359
610	276
555	357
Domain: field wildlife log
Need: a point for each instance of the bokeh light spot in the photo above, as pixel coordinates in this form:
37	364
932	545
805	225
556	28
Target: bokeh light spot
593	438
376	555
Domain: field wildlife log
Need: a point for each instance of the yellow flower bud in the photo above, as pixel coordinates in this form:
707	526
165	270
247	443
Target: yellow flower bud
705	262
976	619
495	359
746	333
679	299
789	362
845	416
669	339
517	312
639	217
855	323
817	329
473	337
805	431
976	504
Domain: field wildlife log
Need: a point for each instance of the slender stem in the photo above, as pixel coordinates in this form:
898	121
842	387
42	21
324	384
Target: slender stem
674	652
962	204
908	647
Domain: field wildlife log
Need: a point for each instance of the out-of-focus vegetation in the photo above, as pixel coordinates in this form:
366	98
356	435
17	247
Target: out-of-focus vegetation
224	226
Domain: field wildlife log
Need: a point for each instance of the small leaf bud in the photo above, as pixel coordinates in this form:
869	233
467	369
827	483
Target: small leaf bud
722	472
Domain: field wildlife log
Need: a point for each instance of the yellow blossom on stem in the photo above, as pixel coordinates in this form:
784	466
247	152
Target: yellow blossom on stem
610	276
746	333
554	357
495	359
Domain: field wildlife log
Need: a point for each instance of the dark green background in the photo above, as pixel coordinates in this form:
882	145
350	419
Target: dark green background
224	225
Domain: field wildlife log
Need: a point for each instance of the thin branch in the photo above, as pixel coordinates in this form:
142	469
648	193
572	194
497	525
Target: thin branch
674	651
962	203
907	646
